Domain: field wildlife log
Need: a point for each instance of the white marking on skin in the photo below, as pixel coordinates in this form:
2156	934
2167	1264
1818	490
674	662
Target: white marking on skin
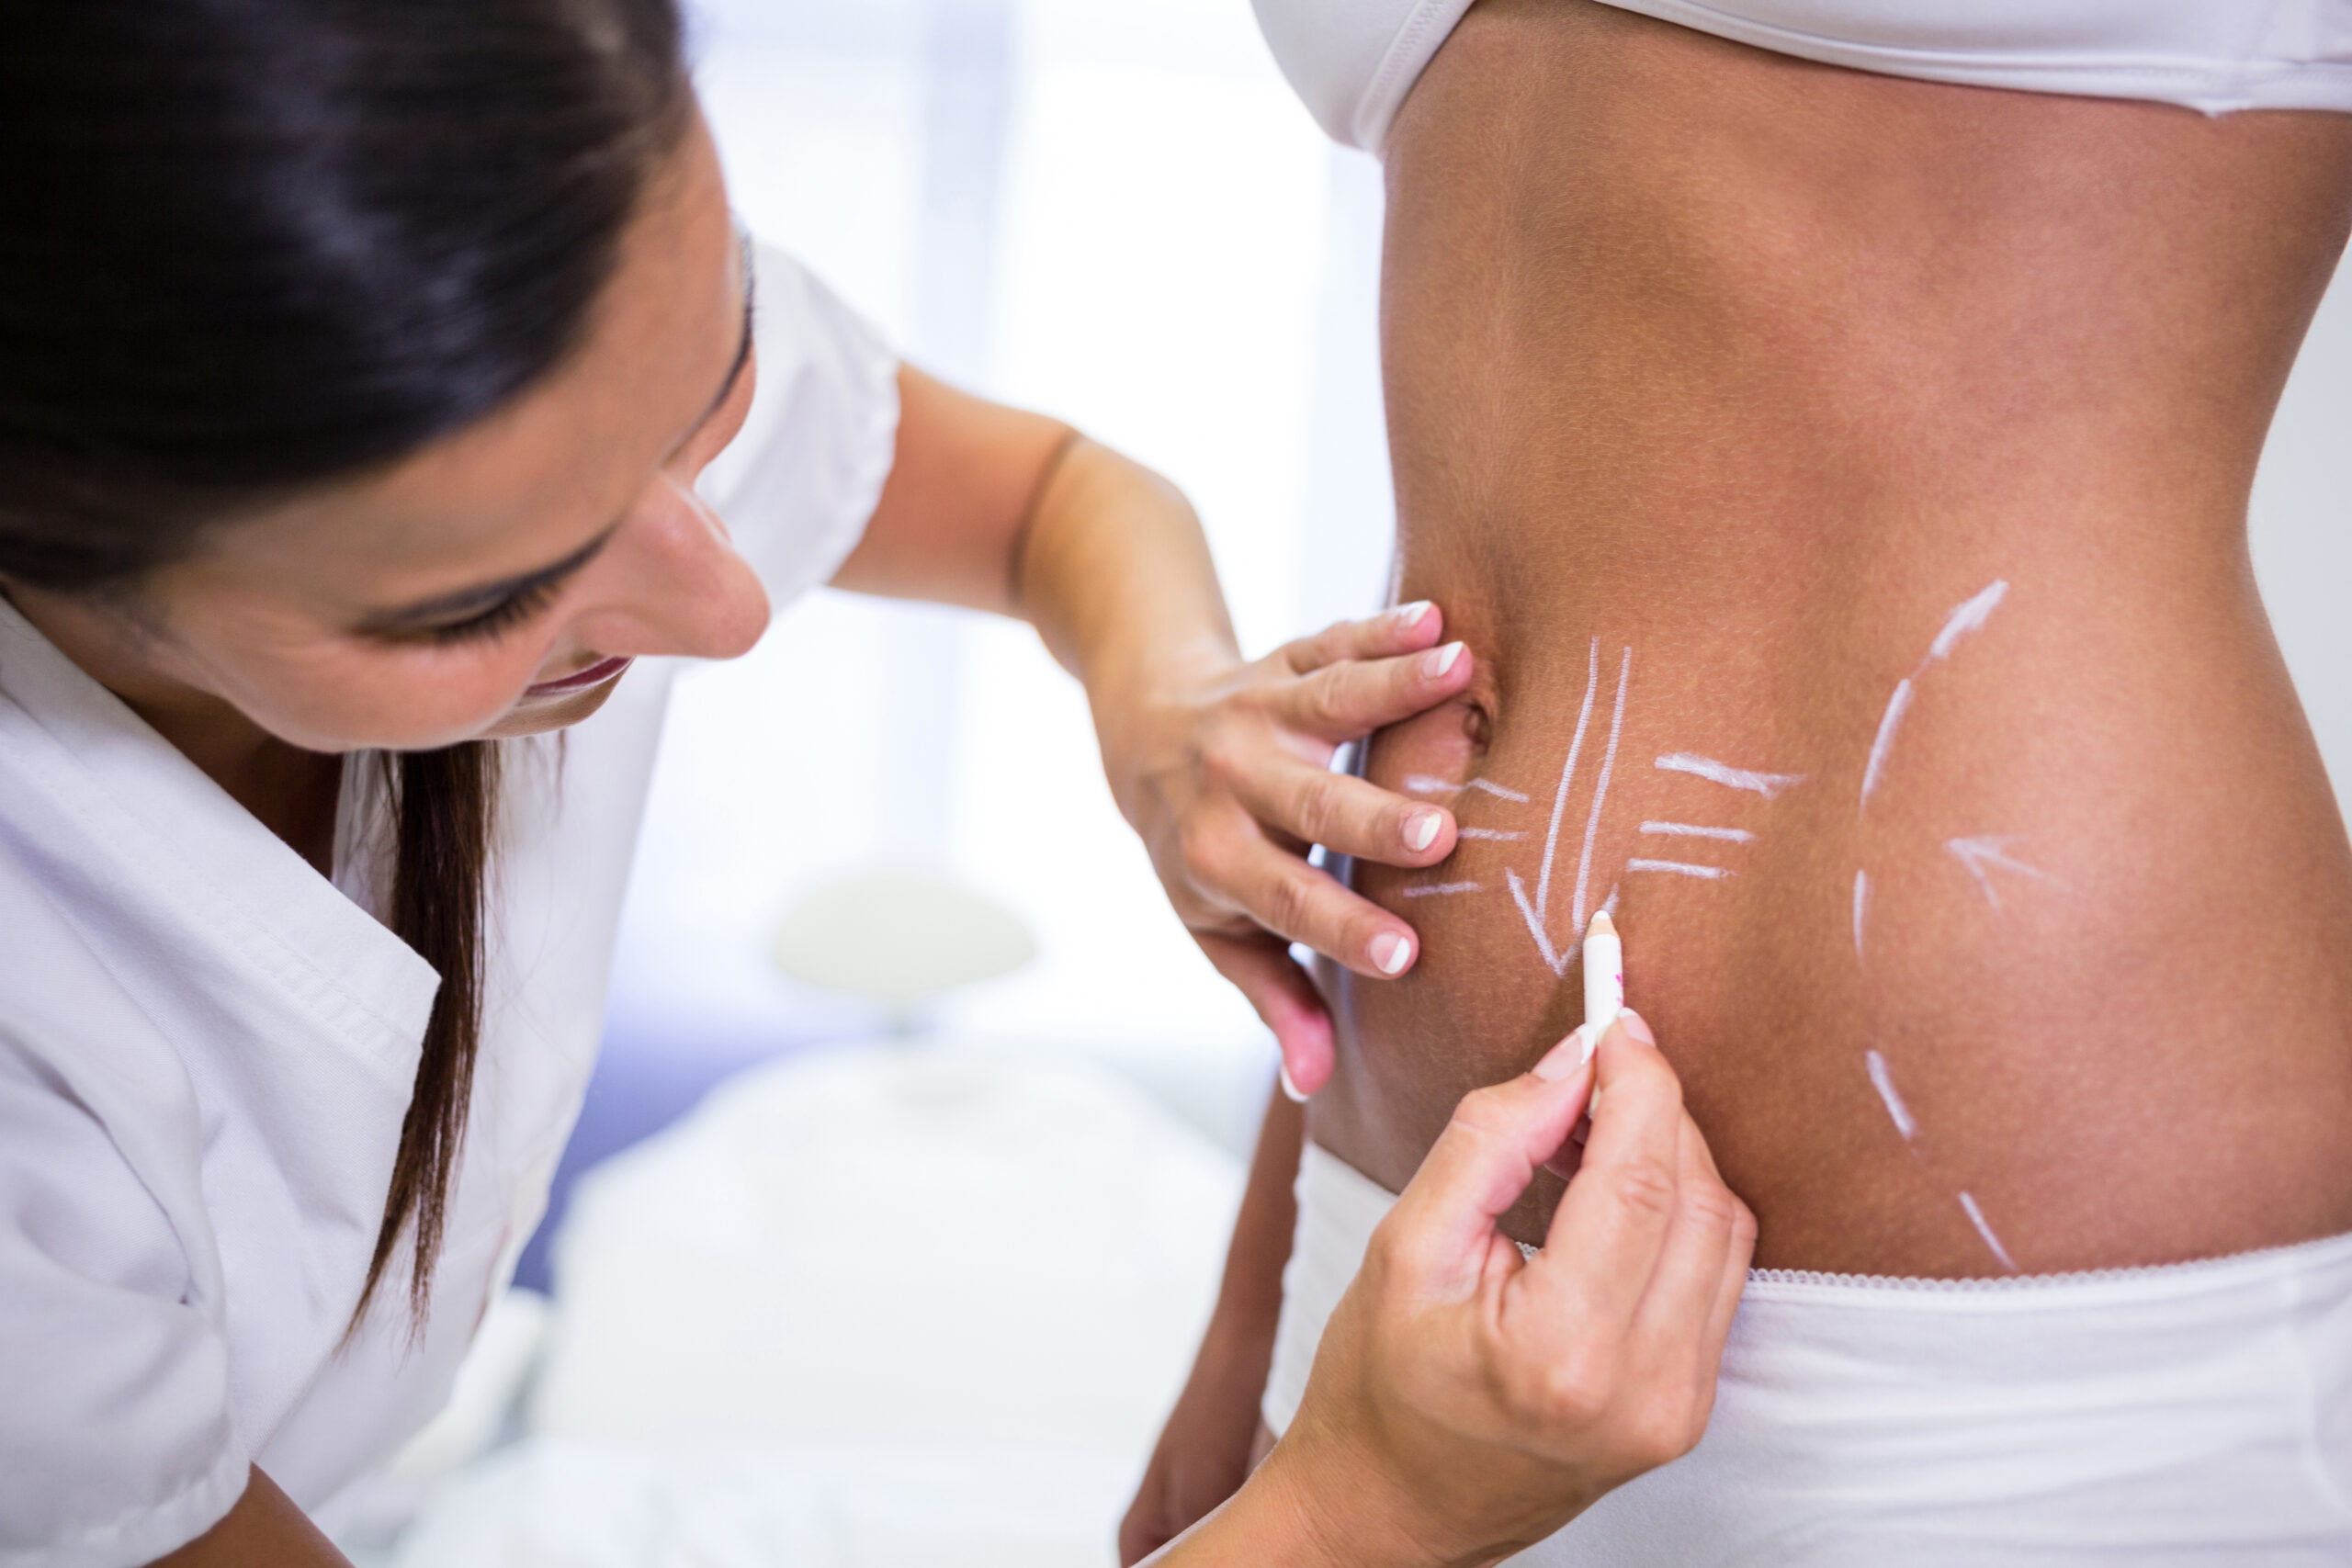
1557	962
1693	831
1503	833
1977	1218
1560	796
1904	1124
1885	741
1978	853
1429	784
1680	868
1609	904
1968	618
1861	907
1766	784
1432	889
1601	791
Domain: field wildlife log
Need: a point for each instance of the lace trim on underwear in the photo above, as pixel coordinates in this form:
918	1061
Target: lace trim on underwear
2001	1283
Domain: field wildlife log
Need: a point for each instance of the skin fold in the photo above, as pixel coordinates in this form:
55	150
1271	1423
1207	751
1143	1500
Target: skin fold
1760	369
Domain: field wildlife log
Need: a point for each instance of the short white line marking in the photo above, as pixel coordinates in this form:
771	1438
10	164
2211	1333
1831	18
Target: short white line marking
1556	962
1503	833
1680	868
1968	618
1886	1087
1601	791
1693	831
1432	889
1861	907
1429	784
1560	796
1766	784
1978	853
1977	1218
1883	741
1609	904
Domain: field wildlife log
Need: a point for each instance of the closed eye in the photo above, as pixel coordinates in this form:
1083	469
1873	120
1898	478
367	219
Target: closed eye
499	619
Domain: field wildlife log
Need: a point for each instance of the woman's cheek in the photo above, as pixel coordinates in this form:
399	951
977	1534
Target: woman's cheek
421	699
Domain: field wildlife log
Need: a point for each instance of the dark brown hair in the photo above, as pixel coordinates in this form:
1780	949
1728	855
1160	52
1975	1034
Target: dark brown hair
247	246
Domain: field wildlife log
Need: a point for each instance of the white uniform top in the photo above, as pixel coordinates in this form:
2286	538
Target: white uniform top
207	1048
1354	61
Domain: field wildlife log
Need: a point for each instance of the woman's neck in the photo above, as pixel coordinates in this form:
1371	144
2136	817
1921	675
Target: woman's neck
292	793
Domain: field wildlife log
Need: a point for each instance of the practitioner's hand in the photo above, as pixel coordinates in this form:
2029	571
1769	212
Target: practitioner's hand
1466	1404
1225	774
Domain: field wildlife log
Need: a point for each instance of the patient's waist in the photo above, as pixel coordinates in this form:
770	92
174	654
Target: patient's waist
2182	1414
2012	940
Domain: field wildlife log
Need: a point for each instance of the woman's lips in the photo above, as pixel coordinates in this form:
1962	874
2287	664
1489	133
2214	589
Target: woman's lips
596	674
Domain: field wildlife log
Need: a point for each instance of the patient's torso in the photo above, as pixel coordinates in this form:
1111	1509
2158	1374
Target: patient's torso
1841	483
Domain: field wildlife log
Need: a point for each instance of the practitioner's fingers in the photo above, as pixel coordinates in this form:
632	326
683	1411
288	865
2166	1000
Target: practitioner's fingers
1407	628
1283	995
1299	902
1441	1229
1344	814
1677	1323
1354	697
1611	1225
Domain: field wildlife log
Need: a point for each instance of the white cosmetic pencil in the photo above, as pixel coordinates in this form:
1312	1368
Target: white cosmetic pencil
1605	976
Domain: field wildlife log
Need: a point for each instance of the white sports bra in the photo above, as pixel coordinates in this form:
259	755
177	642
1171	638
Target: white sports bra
1354	61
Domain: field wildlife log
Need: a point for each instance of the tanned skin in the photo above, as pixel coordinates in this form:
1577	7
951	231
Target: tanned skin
1760	368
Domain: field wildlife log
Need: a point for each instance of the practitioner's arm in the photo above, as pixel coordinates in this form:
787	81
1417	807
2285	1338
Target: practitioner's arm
265	1529
1466	1404
1221	765
1204	1452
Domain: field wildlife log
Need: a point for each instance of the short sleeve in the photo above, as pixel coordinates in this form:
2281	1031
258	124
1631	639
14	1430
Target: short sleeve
798	484
117	1443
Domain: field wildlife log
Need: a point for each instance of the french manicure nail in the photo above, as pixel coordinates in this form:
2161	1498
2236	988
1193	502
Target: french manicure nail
1291	1090
1437	660
1421	828
1390	953
1635	1027
1567	1056
1410	615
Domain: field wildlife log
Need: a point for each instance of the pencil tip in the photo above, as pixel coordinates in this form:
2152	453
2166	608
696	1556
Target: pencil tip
1601	926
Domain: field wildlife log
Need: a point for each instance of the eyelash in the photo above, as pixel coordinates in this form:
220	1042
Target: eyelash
499	619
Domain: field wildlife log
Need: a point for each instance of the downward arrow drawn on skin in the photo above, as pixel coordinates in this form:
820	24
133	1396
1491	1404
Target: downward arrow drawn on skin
1978	853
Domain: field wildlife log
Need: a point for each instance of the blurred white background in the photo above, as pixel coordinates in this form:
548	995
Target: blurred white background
1115	211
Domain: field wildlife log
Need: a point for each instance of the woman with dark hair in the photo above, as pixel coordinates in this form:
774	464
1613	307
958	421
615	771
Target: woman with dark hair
373	375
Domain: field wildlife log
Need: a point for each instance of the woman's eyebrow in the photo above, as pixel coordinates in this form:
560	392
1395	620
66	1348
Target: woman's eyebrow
742	356
484	596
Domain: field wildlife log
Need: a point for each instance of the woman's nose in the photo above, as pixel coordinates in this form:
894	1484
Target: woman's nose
673	583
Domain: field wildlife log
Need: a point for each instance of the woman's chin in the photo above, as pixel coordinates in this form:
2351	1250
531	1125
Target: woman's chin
538	716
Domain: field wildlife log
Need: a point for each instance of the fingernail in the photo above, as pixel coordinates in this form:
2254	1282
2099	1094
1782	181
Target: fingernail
1437	660
1410	615
1567	1056
1635	1027
1390	953
1421	828
1291	1090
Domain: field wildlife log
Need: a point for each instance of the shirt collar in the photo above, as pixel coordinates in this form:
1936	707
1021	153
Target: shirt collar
160	827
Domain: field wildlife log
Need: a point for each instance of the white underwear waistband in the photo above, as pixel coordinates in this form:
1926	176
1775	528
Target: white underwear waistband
2189	1414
